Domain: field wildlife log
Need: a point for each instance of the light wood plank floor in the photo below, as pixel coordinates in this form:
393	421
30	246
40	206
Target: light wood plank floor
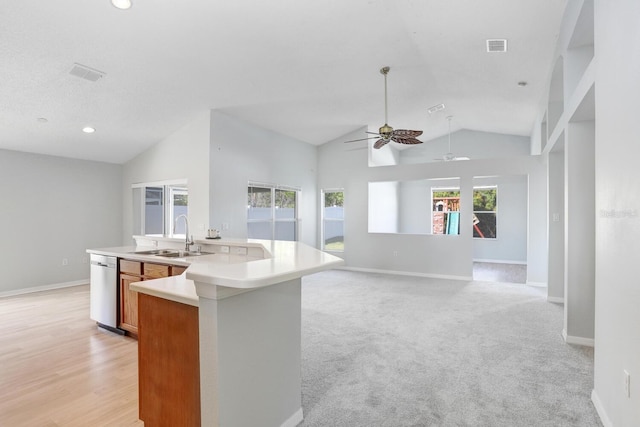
58	369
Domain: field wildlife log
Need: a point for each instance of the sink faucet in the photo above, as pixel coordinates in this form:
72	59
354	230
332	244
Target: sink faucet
187	242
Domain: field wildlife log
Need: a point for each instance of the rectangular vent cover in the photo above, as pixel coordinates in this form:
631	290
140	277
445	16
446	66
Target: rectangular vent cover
496	45
435	108
86	73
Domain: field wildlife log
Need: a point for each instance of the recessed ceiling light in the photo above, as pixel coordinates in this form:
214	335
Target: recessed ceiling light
88	129
42	120
122	4
523	84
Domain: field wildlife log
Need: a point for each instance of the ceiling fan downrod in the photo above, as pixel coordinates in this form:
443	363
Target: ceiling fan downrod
386	130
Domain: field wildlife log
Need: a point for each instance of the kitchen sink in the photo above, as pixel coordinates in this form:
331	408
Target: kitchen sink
180	254
156	252
170	253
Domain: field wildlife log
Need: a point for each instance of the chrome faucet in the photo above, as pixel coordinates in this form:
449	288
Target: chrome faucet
187	242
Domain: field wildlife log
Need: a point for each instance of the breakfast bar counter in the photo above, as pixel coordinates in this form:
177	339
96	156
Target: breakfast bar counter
247	296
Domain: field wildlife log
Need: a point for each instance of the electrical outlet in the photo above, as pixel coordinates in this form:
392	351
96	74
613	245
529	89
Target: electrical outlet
556	217
627	384
240	250
395	253
65	261
224	249
225	225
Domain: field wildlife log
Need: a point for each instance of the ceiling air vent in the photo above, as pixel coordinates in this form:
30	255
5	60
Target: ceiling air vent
496	45
436	108
86	73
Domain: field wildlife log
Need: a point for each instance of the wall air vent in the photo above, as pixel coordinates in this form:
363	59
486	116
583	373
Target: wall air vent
496	45
86	73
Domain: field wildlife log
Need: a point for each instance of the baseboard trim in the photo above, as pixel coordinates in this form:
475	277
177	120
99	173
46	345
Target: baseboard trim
43	288
557	300
406	273
569	339
537	284
294	419
595	399
501	261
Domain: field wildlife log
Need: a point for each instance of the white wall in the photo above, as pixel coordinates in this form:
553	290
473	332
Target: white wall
383	207
511	242
537	241
555	291
346	166
579	227
182	155
242	152
219	155
468	143
617	333
57	208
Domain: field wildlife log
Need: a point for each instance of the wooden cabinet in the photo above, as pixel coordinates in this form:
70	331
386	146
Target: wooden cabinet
177	270
128	304
168	363
136	271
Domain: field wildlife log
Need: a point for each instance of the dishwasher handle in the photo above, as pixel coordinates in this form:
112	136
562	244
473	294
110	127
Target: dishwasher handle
106	262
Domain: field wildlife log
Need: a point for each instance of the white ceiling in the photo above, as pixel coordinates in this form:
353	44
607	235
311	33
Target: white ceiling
307	69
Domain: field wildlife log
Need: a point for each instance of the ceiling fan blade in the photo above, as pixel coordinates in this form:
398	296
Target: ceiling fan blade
407	133
406	140
380	143
362	139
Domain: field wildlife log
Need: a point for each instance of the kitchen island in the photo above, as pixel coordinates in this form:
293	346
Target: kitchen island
248	322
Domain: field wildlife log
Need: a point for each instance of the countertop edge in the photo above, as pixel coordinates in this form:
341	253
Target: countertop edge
175	288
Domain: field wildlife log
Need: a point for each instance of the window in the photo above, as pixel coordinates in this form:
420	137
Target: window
445	213
157	205
485	209
333	220
272	212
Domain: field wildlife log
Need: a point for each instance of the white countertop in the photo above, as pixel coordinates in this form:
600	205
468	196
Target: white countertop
210	275
174	288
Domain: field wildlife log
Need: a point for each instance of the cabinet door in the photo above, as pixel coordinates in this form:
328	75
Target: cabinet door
177	270
155	271
128	304
168	363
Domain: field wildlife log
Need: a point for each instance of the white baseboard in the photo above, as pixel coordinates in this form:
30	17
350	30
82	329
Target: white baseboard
501	261
569	339
557	300
537	284
406	273
294	419
43	288
606	422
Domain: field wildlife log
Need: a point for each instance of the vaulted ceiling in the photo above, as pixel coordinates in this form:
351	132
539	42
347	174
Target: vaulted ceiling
306	69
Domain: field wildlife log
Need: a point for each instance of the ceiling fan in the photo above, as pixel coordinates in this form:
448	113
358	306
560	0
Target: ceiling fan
449	156
386	133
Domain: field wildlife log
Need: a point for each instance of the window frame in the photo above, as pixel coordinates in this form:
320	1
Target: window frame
494	211
323	219
273	219
433	211
169	189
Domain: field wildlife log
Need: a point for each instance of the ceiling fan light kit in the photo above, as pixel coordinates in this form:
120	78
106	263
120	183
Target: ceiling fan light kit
386	133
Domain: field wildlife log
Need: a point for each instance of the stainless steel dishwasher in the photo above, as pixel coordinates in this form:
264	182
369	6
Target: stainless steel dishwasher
104	292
